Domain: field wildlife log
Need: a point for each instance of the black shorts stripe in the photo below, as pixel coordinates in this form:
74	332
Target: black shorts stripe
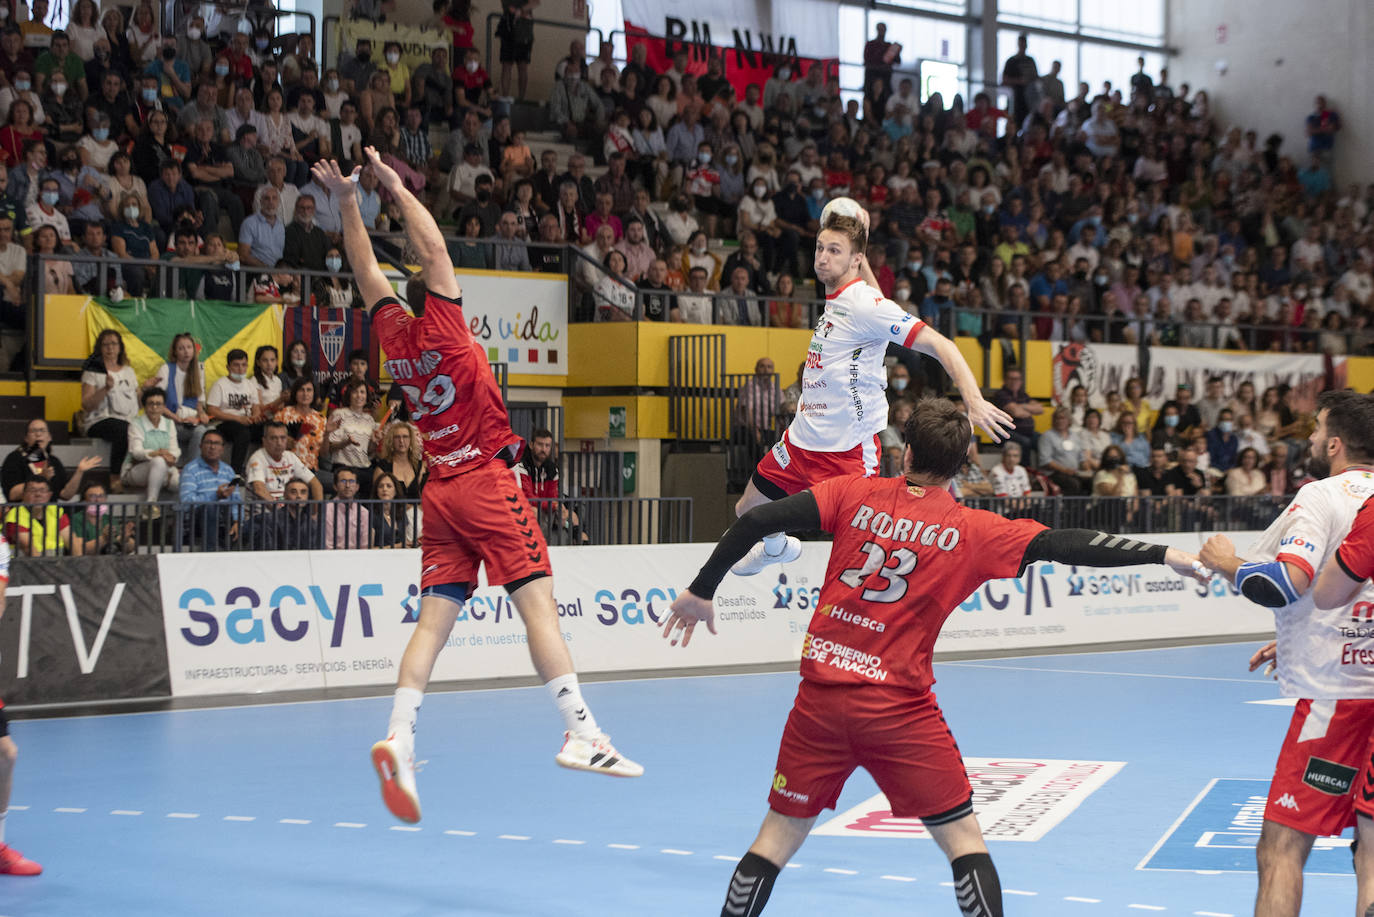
767	487
952	815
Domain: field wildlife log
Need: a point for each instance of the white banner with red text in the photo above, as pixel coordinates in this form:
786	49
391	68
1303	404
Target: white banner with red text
274	621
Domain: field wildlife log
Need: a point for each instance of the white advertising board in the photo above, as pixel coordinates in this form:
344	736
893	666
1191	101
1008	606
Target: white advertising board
258	622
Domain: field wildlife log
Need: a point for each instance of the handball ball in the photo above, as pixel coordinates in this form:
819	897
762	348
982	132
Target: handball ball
843	206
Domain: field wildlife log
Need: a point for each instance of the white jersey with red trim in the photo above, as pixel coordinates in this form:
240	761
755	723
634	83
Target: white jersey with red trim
1323	655
842	401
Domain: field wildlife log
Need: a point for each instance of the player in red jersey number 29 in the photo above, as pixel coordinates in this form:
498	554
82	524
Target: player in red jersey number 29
474	511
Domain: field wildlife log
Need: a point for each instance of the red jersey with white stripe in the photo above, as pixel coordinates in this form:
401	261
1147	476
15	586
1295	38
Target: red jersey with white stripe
448	384
1356	553
1323	654
842	401
903	559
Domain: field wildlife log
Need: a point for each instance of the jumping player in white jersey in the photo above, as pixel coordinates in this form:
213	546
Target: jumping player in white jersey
1325	659
842	407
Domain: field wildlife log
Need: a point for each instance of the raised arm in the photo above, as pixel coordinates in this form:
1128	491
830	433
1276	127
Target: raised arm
372	283
421	229
997	423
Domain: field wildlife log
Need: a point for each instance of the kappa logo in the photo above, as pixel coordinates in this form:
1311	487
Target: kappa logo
1288	802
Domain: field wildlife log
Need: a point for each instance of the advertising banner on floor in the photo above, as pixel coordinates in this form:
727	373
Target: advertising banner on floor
82	629
311	619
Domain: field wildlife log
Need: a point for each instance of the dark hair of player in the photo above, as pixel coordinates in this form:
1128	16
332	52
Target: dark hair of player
850	228
938	435
415	294
1351	417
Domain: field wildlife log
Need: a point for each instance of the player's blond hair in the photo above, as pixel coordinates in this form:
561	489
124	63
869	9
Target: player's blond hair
851	228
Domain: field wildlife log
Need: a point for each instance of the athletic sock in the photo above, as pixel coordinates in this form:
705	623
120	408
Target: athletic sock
976	886
750	887
3	813
567	697
405	709
775	543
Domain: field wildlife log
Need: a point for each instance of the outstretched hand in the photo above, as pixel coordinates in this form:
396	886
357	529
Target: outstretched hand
688	610
1269	653
327	175
389	178
991	419
1185	564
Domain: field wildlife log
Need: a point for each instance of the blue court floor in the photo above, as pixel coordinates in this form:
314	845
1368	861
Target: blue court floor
274	810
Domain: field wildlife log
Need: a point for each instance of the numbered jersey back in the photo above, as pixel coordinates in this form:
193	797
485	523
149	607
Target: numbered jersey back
448	385
903	558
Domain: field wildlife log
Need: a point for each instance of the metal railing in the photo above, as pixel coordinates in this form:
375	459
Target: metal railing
129	527
698	405
1140	515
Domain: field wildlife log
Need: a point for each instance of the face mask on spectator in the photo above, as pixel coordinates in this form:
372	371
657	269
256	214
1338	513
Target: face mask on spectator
392	58
899	384
760	190
150	95
471	66
1101	280
22	85
334	264
818	193
96	510
731	160
131	213
784	73
4	12
364	55
989	209
237	377
50	198
261	44
1226	426
232	265
1110	462
222	69
1171	420
1131	218
101	134
704	158
914	265
699	249
331	84
902	294
193	33
58	89
483	195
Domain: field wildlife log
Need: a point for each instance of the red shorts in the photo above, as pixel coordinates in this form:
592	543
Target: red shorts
480	517
787	470
898	736
1323	774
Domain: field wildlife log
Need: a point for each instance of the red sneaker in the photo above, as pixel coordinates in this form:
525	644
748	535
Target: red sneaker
13	863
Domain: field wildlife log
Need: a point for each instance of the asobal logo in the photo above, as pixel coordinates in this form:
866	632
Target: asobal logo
86	658
801	597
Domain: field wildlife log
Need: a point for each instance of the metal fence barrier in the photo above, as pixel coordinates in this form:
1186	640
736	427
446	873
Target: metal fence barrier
1140	515
129	527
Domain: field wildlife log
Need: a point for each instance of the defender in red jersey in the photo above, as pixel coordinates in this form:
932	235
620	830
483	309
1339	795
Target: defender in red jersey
475	513
12	862
1340	582
905	555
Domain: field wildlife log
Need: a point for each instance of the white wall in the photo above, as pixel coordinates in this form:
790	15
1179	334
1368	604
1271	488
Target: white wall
1279	54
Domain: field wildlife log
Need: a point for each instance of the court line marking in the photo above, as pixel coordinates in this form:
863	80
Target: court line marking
183	815
293	821
1147	907
513	837
69	810
1017	891
1031	668
125	812
240	818
623	846
1177	822
1211	914
841	872
1082	900
677	853
462	833
349	824
19	808
563	840
898	878
410	828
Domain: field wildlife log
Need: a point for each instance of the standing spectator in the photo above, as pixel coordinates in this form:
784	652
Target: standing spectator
347	523
1018	74
349	430
400	454
34	456
233	406
182	380
272	466
109	395
1322	126
757	404
153	450
880	56
516	31
1009	478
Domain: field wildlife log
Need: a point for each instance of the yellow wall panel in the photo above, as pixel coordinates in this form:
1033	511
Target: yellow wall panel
61	399
602	353
63	329
1359	373
1039	369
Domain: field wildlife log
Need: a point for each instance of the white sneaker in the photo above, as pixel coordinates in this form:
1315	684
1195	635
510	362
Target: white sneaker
395	764
758	557
595	754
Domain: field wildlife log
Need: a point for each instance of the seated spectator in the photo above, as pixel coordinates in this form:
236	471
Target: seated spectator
469	251
1188	415
250	170
574	109
153	144
1249	437
1012	398
747	256
697	306
697	255
893	437
109	394
482	206
1154	478
304	243
786	310
37	527
639	255
337	288
509	253
164	197
182	381
153	454
272	467
34	457
349	432
347	523
208	166
21	128
1092	439
400	454
737	304
288	525
357	372
96	146
1246	478
1223	445
57	275
93	528
233	407
971	481
1114	478
656	296
96	277
304	425
1009	478
1168	435
208	482
393	522
44	212
271	398
134	235
1061	459
262	237
1134	445
1186	479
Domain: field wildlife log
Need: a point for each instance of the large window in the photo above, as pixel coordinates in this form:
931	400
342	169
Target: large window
1080	60
923	40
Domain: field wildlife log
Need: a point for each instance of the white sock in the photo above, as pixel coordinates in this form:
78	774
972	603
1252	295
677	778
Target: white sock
567	696
3	813
775	543
404	711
